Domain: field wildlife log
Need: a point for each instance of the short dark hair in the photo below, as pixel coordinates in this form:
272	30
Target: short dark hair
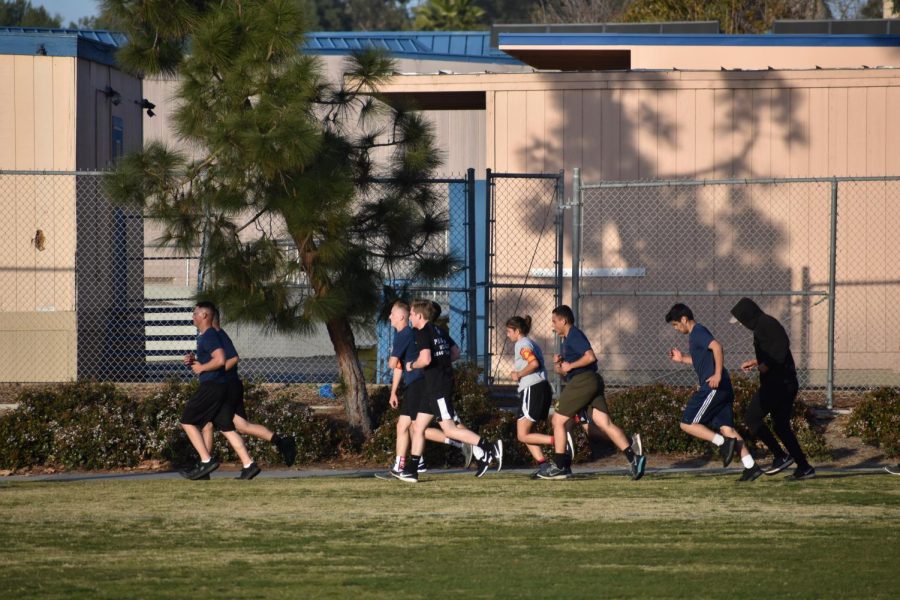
520	324
206	305
402	305
565	312
677	311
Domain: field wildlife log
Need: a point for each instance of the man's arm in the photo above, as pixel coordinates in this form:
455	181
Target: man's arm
396	375
719	359
231	363
588	358
216	362
421	362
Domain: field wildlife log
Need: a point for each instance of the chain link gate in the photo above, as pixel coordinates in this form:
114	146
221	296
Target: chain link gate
812	252
523	261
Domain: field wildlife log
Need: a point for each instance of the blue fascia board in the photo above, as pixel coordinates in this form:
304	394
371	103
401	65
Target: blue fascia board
57	44
490	60
669	39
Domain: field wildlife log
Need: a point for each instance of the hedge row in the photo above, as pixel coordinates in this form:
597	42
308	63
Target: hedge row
97	426
877	420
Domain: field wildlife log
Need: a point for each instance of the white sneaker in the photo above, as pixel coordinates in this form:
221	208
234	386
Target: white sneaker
497	453
636	445
570	445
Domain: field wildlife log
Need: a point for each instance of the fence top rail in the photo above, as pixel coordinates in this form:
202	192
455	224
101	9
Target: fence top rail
32	172
431	180
705	182
497	175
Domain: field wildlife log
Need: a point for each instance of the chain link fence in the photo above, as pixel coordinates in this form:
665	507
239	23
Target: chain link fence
524	262
814	253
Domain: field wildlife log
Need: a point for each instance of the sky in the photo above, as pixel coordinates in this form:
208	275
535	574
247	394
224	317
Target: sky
71	10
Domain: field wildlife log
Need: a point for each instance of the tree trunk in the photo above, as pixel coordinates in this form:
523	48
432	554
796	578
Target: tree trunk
356	398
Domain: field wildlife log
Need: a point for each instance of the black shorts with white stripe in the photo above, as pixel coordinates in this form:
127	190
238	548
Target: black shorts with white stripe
713	408
534	402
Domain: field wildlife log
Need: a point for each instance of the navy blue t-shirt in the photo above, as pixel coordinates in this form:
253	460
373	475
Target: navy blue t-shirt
404	349
230	352
574	345
702	357
208	342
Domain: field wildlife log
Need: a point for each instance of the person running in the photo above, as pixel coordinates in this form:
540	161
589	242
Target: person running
435	361
403	351
709	414
535	395
234	403
778	387
584	389
206	404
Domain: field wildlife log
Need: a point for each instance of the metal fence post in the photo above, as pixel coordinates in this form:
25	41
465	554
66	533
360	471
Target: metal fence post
832	285
472	329
488	248
576	241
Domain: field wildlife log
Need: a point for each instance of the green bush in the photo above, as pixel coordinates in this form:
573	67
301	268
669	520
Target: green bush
89	425
876	419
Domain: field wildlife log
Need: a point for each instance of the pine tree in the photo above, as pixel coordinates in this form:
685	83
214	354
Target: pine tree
293	229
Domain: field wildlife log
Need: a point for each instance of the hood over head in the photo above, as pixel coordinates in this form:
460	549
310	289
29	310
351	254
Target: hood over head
747	313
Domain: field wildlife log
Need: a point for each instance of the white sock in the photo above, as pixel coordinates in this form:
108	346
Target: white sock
748	461
207	460
397	463
718	439
247	466
477	452
453	443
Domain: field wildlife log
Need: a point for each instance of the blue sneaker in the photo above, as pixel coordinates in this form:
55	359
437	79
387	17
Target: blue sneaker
637	466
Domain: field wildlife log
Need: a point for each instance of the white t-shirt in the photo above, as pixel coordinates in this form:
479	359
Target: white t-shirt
526	350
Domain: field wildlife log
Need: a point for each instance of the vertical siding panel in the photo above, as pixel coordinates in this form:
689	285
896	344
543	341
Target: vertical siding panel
44	127
797	196
818	132
555	123
747	139
837	132
875	238
629	123
63	113
706	134
521	138
501	125
891	218
667	133
490	135
592	144
610	142
24	261
24	111
799	133
723	133
573	132
648	134
857	116
685	134
534	117
7	113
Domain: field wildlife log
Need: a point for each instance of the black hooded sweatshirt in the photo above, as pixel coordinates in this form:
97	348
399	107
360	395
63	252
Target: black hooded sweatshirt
770	342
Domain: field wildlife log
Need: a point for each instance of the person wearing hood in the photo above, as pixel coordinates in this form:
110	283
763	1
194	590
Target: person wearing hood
778	387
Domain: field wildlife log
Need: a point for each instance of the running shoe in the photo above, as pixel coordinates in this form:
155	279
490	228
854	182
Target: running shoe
779	464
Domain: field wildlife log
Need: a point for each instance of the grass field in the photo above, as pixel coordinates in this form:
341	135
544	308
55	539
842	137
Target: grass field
698	536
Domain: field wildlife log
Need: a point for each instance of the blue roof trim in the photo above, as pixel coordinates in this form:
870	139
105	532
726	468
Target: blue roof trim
96	46
466	46
668	39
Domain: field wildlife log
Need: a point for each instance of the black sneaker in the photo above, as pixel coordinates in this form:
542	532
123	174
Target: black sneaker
895	470
249	472
779	464
497	453
800	473
751	474
726	450
201	469
422	466
481	466
287	447
541	469
405	476
554	472
636	446
388	475
637	466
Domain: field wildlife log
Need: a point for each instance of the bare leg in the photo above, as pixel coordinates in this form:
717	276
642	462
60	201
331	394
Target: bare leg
234	439
532	441
196	439
404	425
418	433
460	434
612	431
559	423
698	430
208	437
245	427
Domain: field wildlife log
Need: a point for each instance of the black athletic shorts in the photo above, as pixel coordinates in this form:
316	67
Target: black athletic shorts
205	406
440	404
535	402
234	397
412	398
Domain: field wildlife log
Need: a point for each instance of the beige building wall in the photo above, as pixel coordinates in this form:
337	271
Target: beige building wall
52	118
37	237
712	125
